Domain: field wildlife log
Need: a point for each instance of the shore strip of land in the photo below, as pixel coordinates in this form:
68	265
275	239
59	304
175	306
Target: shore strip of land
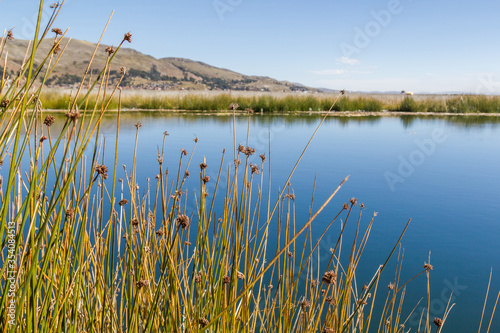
358	113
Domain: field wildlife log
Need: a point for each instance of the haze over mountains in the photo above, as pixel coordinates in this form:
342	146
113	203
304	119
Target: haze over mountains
142	71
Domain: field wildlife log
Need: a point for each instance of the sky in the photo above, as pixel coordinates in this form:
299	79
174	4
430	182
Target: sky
363	45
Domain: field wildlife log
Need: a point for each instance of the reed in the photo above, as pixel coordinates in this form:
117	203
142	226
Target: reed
265	102
85	250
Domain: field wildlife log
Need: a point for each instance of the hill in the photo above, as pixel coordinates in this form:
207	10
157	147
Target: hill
143	71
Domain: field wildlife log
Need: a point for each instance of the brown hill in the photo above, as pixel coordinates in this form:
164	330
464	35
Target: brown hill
143	71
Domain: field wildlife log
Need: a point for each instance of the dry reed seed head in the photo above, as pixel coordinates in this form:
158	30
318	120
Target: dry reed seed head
206	179
49	121
43	138
345	207
240	275
362	205
353	201
329	299
365	287
159	232
329	277
4	103
342	91
249	151
237	162
362	302
138	125
182	221
69	213
196	140
186	174
141	283
197	277
263	158
328	330
73	115
305	304
314	283
187	243
390	286
438	322
128	37
203	166
428	267
289	254
123	70
206	194
241	148
249	110
54	5
226	279
255	168
57	48
10	35
110	50
135	222
203	322
402	326
184	152
102	170
323	292
57	31
290	196
233	106
123	202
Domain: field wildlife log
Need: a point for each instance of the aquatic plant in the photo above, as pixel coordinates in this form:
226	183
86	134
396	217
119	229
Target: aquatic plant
85	250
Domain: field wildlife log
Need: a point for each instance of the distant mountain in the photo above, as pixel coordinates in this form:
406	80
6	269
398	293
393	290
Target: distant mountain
142	71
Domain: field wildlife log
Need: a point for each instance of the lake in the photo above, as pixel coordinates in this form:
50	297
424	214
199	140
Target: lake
443	173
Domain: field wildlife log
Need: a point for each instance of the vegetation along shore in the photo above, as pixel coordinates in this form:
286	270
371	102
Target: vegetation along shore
58	99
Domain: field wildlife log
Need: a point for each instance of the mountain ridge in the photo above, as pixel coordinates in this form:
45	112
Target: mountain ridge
142	71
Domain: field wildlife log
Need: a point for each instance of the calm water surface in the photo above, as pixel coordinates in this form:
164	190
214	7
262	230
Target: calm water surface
443	173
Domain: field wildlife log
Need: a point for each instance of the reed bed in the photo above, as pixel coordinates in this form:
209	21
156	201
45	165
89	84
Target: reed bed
274	102
85	250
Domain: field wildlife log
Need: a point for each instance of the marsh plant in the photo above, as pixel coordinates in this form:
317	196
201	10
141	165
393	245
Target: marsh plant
85	249
214	101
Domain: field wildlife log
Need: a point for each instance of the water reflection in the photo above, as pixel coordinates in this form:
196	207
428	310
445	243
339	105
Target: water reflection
130	118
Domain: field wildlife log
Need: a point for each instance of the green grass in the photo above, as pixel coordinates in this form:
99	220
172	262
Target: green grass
151	263
196	101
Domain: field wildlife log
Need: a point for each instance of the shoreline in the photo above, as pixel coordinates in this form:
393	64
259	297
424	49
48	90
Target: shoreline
384	113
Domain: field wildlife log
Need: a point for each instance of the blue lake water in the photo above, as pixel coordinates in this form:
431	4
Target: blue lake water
443	173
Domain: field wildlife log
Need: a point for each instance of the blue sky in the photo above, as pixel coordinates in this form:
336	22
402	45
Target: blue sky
390	45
